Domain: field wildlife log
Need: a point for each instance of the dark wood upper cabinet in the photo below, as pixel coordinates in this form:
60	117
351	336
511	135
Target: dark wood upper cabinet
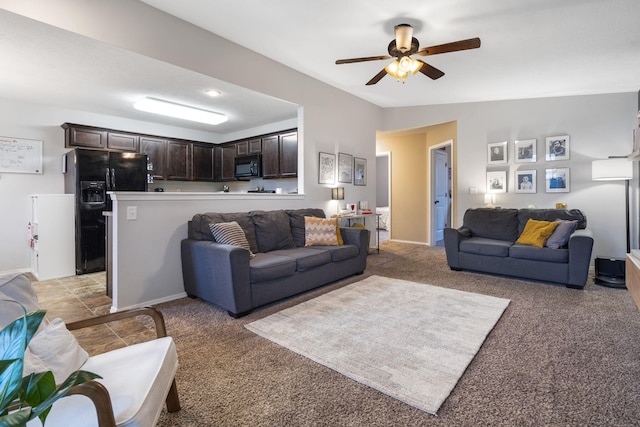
271	157
156	150
202	160
179	160
255	146
242	148
289	155
280	155
224	164
122	141
106	139
84	136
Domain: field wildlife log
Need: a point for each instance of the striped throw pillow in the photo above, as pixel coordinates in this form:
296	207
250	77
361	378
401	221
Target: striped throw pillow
230	233
320	231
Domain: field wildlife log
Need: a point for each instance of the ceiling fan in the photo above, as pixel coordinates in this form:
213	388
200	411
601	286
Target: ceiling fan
405	45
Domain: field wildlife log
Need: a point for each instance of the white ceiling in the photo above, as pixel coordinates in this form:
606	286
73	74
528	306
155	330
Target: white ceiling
530	49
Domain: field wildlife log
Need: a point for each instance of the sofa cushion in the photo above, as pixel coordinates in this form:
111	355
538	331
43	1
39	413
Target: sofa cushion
536	232
500	224
482	246
560	236
340	253
267	266
230	233
306	258
551	215
273	230
539	254
200	225
321	231
54	349
296	219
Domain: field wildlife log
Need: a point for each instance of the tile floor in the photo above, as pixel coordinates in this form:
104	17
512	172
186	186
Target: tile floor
79	297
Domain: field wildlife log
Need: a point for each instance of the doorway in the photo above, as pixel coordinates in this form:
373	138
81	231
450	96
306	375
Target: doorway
440	191
383	195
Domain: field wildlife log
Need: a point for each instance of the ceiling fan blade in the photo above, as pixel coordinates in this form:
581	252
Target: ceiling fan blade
450	47
367	58
377	77
430	71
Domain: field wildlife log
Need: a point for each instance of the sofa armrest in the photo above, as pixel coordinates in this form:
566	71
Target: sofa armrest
452	239
580	247
217	273
356	236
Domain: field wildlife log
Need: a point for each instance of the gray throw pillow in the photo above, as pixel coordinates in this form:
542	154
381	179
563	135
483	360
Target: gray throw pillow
560	236
273	230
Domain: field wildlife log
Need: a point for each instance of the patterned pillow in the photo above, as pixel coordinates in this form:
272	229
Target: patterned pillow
320	231
230	233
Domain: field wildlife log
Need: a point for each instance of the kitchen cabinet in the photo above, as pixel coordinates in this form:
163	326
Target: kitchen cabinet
156	150
52	236
203	161
92	137
179	160
224	162
280	155
249	147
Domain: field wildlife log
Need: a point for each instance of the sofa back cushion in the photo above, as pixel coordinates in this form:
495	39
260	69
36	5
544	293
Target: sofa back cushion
199	226
500	224
273	230
550	215
296	218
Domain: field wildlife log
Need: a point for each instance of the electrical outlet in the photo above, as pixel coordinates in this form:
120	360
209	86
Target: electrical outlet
132	213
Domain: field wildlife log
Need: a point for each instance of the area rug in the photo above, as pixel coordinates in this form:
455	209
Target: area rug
408	340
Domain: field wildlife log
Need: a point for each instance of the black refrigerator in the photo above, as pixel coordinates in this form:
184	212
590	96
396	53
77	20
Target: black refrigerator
89	174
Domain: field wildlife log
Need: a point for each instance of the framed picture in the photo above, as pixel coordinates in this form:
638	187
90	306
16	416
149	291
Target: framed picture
497	153
327	169
526	181
359	171
557	148
557	180
497	182
526	151
345	168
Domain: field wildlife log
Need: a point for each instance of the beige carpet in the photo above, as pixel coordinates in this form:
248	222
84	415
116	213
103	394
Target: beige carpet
408	340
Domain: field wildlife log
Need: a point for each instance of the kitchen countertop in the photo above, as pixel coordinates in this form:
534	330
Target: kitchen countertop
184	195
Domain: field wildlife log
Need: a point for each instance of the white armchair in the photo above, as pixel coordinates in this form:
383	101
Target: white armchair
136	380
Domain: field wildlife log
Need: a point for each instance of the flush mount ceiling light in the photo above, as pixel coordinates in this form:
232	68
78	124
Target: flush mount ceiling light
171	109
214	92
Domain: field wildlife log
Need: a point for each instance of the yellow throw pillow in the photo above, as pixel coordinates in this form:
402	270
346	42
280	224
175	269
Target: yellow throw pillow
536	232
320	231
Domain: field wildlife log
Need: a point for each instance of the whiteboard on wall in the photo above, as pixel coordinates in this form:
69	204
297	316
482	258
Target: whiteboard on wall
20	155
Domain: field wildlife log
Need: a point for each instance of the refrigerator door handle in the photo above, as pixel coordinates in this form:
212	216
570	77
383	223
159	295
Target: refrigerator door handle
113	179
107	179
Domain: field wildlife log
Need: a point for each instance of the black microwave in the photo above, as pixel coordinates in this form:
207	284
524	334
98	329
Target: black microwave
248	166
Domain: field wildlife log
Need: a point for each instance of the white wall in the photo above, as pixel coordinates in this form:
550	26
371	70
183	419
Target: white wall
599	126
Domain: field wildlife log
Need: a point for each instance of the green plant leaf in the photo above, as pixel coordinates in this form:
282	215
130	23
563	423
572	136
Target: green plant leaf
16	419
37	387
76	378
12	345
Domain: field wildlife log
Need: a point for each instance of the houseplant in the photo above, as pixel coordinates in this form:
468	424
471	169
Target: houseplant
23	399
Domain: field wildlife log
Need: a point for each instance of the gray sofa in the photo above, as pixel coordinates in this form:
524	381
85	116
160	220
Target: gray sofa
486	243
228	277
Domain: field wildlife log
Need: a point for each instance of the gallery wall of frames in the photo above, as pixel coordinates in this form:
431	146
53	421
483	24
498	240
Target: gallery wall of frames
555	177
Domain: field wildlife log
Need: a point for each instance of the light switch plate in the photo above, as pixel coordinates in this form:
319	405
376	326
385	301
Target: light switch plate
132	213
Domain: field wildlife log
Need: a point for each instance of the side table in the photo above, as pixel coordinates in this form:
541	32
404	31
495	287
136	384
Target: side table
364	219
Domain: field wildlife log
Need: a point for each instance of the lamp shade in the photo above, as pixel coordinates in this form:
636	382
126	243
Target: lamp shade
337	193
612	169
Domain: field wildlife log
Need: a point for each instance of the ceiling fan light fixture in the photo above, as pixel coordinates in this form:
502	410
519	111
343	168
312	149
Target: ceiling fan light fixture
179	111
401	68
404	34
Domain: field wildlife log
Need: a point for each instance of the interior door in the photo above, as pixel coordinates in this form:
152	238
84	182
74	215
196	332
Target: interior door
442	198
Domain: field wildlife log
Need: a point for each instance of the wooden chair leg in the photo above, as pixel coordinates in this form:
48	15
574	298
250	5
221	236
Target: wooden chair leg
173	401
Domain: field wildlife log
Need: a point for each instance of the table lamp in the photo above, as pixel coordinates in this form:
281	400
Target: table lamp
337	194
